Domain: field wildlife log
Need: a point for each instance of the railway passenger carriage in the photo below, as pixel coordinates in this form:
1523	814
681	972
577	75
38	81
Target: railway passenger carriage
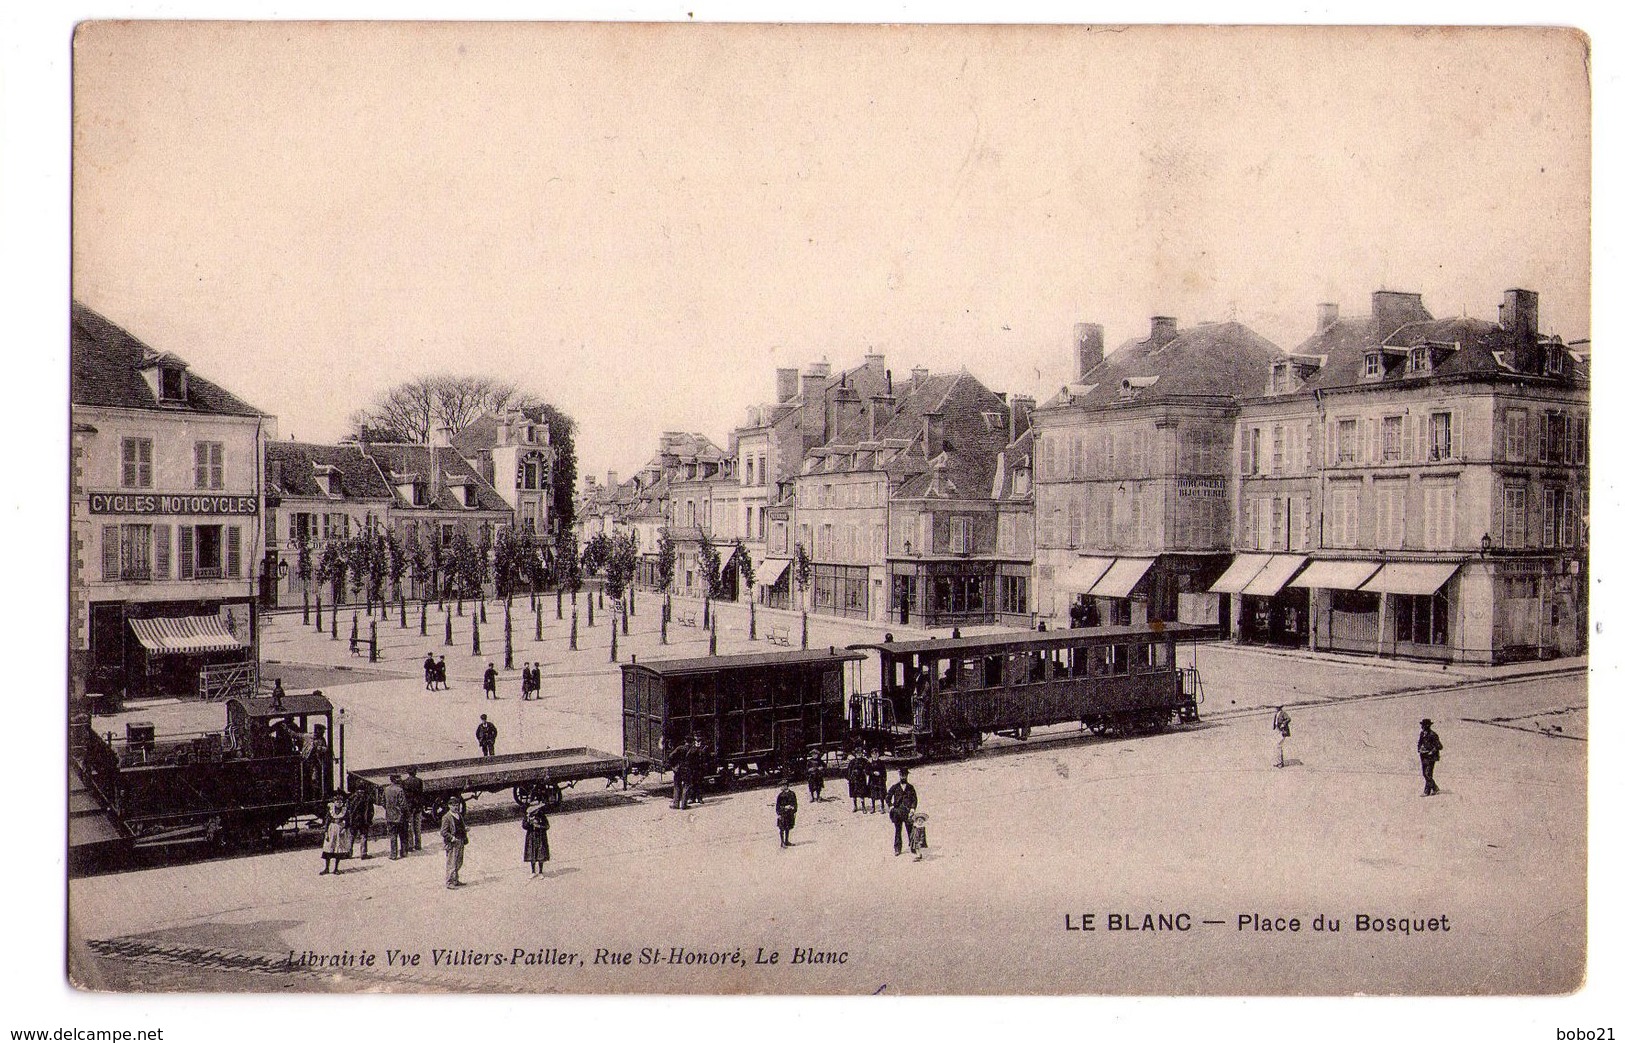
940	698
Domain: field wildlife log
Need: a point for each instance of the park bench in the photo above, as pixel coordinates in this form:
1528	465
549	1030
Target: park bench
779	635
686	618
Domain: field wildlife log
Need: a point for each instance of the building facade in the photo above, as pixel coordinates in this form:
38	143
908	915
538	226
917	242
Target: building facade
513	452
166	518
1447	495
1132	499
315	496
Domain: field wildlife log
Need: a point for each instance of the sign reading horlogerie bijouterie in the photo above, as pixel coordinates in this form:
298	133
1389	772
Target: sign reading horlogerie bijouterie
173	503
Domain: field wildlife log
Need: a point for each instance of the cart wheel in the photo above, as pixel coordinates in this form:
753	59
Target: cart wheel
526	792
552	796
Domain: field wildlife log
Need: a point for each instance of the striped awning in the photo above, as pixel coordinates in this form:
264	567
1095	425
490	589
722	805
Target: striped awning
1337	575
1240	573
1076	577
1121	579
1273	576
184	635
1412	577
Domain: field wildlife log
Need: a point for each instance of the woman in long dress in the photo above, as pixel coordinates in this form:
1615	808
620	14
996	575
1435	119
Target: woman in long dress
536	850
338	840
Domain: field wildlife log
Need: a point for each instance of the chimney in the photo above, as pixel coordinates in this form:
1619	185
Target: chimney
919	374
504	429
1021	410
875	360
439	441
881	409
1392	309
1325	315
789	378
611	481
1088	346
1520	317
1163	329
845	411
814	381
931	433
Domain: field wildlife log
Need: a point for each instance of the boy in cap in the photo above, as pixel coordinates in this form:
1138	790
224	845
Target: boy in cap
1428	747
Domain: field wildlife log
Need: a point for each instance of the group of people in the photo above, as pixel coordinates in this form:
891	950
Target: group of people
434	673
866	782
350	818
530	681
688	764
1429	747
901	802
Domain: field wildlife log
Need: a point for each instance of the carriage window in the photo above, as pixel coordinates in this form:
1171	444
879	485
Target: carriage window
993	671
1117	659
1142	657
759	696
1161	656
1021	668
677	704
1078	661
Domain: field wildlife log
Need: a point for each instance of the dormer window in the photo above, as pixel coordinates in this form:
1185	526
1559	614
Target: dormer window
1420	360
420	494
171	384
1373	364
1554	360
470	496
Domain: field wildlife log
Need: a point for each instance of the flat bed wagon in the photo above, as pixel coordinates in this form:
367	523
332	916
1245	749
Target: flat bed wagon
543	774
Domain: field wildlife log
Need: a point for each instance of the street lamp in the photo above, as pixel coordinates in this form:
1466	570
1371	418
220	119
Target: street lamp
1484	546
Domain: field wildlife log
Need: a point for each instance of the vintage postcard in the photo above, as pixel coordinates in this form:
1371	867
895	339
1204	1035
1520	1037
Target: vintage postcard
818	509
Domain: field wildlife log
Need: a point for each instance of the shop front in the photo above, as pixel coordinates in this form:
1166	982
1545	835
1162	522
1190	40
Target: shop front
1266	611
1343	617
163	648
841	590
773	583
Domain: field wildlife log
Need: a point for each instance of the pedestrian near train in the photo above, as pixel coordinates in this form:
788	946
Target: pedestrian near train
536	849
337	840
857	778
901	802
414	808
877	784
428	671
360	811
490	680
815	778
485	733
1429	747
454	835
784	810
1282	725
440	672
396	805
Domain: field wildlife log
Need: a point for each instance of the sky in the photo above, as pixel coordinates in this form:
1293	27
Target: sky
640	222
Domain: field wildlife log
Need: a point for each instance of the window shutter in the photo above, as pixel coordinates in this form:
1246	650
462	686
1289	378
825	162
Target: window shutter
1540	436
234	550
1310	443
109	552
160	552
1498	435
200	465
1246	450
187	540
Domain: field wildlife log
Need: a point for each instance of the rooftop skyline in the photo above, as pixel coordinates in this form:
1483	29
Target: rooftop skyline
640	224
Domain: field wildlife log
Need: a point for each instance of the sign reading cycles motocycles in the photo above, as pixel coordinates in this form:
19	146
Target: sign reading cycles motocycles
173	503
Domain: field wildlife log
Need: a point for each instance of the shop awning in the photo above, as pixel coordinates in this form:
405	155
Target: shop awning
184	635
1412	577
1076	577
1273	576
1337	575
769	571
1240	573
1119	580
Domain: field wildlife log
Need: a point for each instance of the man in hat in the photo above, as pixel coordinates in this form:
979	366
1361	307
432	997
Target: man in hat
414	807
857	778
395	809
1282	726
490	680
902	800
1428	747
454	834
428	671
485	733
440	672
785	811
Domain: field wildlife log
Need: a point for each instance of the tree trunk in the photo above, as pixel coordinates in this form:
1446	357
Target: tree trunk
624	624
803	628
448	629
372	642
558	606
307	607
662	629
318	613
613	648
589	611
572	631
753	620
475	623
401	604
507	641
538	624
423	618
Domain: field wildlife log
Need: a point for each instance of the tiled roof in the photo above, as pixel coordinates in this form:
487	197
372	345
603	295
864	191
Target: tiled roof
1470	349
1212	359
105	371
395	458
359	476
1018	455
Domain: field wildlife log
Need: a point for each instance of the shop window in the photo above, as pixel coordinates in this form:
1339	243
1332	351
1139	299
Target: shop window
1422	619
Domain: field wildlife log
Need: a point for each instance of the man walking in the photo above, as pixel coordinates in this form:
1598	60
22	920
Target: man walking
1429	747
486	735
414	808
490	680
440	673
902	800
395	806
428	671
815	778
454	834
857	778
1282	724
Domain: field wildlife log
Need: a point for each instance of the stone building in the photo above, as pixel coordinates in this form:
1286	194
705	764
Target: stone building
1428	476
513	452
165	519
1132	500
316	495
